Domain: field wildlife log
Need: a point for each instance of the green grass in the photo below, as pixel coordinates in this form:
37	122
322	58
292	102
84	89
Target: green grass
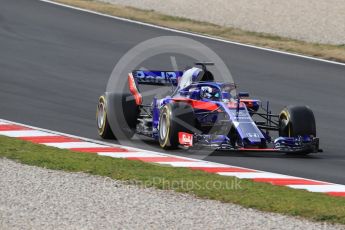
262	196
325	51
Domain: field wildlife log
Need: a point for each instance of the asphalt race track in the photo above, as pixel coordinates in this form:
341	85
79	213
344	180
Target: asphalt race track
55	62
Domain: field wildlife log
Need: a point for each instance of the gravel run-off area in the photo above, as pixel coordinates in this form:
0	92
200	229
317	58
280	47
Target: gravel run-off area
321	21
37	198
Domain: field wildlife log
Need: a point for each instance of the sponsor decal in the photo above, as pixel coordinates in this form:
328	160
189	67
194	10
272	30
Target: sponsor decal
158	77
185	139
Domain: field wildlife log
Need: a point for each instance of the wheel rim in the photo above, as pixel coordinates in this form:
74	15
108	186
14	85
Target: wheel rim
163	127
100	115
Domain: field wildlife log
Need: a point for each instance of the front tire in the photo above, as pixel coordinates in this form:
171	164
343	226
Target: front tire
297	121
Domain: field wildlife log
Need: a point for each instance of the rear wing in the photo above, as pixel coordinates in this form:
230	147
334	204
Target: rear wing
150	77
156	77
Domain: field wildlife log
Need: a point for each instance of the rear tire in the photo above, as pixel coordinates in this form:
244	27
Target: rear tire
124	115
174	118
103	127
297	121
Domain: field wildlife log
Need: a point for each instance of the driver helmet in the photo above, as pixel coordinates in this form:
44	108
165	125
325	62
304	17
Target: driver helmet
209	92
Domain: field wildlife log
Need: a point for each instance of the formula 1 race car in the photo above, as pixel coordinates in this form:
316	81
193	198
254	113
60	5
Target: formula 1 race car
202	112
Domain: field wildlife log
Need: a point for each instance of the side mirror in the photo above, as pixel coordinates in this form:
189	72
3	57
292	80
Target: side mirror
243	94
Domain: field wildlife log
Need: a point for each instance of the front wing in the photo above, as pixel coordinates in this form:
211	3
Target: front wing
280	144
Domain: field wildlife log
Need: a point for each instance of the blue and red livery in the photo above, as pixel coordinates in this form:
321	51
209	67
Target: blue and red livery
203	112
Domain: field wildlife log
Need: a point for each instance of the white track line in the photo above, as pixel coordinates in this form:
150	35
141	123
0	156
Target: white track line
193	34
128	154
195	164
70	145
25	133
252	175
320	188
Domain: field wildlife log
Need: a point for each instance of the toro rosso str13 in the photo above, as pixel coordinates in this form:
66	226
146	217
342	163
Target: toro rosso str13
203	112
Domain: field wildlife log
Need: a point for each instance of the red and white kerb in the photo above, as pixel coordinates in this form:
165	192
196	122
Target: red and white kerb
79	144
